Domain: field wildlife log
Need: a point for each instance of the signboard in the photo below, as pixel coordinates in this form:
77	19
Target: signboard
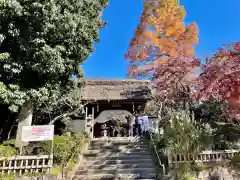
37	133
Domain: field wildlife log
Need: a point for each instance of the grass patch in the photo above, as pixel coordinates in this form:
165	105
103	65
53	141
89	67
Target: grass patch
7	151
11	176
55	171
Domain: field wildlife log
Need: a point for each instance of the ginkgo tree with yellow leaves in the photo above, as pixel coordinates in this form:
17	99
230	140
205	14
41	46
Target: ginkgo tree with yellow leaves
163	46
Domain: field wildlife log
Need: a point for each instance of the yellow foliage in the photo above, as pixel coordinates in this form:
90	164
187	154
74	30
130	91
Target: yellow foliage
170	31
163	32
182	12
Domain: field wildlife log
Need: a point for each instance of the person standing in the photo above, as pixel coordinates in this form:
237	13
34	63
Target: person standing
142	130
139	125
135	127
146	123
130	121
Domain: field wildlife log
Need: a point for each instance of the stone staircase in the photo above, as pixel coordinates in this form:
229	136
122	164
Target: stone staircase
117	158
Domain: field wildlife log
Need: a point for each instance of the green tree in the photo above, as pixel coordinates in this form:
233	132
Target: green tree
42	43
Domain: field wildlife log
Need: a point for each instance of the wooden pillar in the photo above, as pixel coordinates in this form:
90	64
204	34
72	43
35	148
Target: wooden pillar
138	109
97	107
92	123
86	119
133	108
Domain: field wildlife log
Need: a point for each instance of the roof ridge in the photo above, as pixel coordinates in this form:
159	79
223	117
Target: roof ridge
114	80
115	89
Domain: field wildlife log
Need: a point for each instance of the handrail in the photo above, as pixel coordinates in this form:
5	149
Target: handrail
156	152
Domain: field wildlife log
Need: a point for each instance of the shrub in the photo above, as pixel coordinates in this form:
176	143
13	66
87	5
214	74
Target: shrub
63	147
235	162
10	142
65	151
181	135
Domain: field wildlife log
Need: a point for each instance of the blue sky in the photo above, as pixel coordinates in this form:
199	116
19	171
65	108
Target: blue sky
218	22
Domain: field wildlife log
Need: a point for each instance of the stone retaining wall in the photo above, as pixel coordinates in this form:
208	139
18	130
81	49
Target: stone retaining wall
214	173
218	173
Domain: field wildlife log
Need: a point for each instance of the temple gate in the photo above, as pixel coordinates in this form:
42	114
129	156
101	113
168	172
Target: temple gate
113	103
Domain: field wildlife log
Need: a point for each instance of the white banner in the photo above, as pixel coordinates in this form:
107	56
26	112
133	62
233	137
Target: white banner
37	133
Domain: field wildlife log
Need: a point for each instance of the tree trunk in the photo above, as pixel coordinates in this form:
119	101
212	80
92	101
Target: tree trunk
25	119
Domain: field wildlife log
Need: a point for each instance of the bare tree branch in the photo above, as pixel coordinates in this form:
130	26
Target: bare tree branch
70	104
61	116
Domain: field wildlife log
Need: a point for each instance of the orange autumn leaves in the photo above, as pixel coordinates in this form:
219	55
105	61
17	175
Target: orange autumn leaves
163	47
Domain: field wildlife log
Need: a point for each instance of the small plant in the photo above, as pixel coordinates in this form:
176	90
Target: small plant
184	172
55	171
7	151
187	176
7	176
235	162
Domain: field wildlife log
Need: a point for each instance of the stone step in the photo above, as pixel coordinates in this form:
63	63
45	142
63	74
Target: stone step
112	146
110	141
103	176
106	170
117	161
100	144
120	149
120	153
117	158
121	156
116	166
117	139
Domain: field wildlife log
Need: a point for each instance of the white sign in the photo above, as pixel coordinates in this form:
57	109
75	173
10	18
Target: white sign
37	133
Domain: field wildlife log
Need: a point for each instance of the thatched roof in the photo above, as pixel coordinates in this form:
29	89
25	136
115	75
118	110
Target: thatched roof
115	89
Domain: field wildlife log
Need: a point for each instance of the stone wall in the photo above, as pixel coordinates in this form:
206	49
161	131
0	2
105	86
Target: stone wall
214	173
218	173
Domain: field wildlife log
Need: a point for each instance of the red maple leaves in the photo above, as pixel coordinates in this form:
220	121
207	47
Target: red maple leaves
220	79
